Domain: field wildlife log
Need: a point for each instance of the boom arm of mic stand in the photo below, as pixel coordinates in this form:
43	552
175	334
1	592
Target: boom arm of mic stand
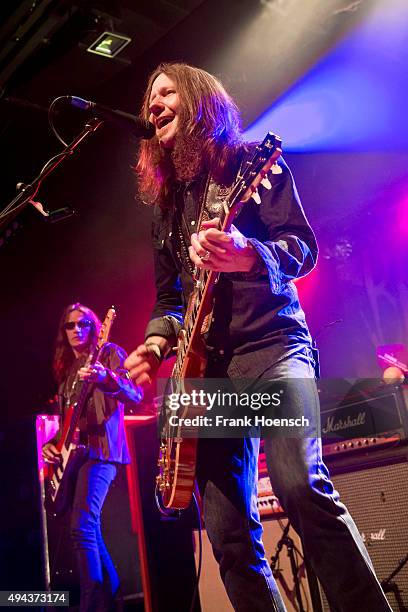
28	192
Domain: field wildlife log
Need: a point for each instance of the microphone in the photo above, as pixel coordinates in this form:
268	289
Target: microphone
140	127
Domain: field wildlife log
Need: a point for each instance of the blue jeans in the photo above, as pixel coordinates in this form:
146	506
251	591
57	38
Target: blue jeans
99	580
227	478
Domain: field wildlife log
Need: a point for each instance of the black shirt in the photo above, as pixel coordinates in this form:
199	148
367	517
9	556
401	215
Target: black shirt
257	321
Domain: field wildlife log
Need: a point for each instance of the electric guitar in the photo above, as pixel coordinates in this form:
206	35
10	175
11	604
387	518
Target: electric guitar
62	475
177	457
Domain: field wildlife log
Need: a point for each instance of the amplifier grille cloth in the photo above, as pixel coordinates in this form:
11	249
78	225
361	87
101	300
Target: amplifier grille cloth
377	500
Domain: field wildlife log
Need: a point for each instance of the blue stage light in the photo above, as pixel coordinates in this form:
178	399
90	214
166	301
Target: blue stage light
354	99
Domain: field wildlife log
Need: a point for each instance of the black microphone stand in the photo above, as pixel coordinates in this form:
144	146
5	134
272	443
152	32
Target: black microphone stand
287	541
28	192
391	587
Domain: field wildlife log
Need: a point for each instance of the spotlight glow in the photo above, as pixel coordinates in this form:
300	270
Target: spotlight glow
354	99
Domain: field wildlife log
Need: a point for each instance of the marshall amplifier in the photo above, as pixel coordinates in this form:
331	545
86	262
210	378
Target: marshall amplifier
361	415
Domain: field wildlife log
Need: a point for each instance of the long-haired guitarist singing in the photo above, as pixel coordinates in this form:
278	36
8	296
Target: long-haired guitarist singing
254	329
101	435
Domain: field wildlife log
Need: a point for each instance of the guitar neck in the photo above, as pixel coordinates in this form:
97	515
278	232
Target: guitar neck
77	408
200	302
199	307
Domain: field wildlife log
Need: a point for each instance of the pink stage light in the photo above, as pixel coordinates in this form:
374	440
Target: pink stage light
402	218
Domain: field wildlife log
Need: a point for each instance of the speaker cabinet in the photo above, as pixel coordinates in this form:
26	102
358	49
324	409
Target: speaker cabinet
212	592
376	494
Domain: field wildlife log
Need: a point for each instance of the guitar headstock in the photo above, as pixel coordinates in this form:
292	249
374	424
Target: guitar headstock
106	327
256	168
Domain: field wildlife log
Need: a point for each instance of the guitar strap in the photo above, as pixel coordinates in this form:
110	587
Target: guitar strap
215	196
211	205
213	202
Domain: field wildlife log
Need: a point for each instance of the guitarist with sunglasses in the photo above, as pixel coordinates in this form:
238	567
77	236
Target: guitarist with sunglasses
258	331
101	431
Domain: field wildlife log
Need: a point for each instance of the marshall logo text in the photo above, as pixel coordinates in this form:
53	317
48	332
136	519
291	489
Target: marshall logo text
334	424
374	536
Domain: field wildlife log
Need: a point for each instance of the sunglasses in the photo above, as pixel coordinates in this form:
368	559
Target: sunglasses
81	324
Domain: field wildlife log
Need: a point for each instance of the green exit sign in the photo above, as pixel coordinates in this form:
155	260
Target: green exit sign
109	44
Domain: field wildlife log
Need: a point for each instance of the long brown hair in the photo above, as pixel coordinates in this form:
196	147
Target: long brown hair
207	113
64	355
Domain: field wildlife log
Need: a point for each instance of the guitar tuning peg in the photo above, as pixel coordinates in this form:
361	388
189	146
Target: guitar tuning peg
276	169
266	183
256	197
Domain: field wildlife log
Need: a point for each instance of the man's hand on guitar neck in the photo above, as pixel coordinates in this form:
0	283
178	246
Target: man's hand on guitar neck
144	362
50	454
